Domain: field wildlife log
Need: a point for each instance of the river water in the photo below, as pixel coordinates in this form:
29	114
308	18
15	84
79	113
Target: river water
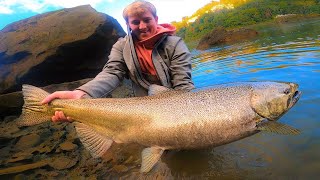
286	52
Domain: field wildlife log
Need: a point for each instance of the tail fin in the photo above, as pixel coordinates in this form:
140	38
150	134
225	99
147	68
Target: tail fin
33	112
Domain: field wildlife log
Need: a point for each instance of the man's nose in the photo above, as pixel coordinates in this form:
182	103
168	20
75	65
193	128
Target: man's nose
142	25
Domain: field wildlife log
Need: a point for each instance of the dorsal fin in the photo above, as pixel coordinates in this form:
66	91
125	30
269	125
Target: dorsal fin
96	143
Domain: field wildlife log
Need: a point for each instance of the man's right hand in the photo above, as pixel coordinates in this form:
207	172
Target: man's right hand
59	115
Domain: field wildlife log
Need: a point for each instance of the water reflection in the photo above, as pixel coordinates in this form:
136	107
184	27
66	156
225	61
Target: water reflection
256	60
285	53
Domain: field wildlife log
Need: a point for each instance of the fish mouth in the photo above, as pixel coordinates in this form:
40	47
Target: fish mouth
290	103
295	97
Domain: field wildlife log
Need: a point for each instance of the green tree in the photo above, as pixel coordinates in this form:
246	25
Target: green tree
246	12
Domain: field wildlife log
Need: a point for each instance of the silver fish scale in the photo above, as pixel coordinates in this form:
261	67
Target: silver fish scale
208	116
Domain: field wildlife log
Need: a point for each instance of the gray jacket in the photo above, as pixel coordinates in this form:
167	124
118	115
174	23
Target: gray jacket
171	58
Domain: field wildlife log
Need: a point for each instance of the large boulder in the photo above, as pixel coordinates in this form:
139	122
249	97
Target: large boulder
56	47
221	36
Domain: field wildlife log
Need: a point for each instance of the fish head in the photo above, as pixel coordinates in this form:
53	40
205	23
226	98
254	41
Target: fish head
271	100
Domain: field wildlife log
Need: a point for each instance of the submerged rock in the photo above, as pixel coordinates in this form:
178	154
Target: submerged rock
7	128
25	167
28	141
63	162
120	168
68	146
20	156
220	36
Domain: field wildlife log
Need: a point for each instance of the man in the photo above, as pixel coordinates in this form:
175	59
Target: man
149	54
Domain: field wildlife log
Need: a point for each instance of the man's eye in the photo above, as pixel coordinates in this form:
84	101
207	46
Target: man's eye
146	20
135	22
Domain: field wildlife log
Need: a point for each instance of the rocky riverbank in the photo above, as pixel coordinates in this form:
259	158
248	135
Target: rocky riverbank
220	35
59	50
53	150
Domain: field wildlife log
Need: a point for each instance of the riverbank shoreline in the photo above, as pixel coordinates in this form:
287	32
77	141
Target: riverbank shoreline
281	20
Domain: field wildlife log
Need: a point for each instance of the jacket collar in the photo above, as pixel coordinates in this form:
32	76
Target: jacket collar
150	42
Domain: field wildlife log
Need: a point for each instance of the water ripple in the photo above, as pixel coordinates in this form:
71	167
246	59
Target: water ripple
251	60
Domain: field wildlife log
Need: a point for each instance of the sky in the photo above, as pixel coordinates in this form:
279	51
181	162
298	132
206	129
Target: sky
167	10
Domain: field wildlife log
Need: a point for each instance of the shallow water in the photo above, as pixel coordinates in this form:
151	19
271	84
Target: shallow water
288	52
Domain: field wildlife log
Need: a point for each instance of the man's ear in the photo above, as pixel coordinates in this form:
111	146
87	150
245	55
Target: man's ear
156	18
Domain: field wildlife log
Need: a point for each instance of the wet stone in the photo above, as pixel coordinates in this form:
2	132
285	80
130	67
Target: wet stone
44	126
20	157
28	141
5	141
70	128
92	162
120	168
45	134
71	132
63	162
24	131
17	168
57	126
100	165
129	160
43	148
20	177
7	129
92	177
68	146
58	134
45	173
5	153
10	118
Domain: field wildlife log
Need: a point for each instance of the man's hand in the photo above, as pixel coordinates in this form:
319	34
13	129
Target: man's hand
59	115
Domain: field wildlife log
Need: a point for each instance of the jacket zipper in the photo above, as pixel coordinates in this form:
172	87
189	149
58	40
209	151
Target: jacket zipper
156	45
135	61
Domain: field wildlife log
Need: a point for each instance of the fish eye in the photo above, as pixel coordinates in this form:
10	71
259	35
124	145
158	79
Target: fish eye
287	91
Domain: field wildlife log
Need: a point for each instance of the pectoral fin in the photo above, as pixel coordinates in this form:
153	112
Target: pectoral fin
276	127
96	143
150	156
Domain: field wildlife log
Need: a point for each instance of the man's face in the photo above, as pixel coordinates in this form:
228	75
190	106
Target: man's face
143	25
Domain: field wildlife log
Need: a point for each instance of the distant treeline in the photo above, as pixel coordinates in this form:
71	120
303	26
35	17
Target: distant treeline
244	13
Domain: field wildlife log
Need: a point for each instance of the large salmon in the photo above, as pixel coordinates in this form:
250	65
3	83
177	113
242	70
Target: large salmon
169	119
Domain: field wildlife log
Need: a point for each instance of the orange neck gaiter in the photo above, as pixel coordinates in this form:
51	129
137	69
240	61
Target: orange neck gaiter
144	48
